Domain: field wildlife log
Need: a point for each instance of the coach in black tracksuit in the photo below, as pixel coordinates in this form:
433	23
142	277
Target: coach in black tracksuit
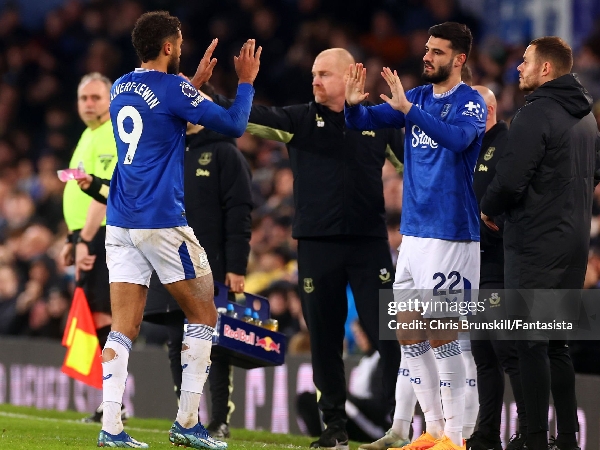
492	356
545	184
339	222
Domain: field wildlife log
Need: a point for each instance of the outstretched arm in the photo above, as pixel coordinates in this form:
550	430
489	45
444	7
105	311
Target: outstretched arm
366	117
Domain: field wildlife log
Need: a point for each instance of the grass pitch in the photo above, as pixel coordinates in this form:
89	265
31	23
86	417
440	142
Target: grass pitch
32	429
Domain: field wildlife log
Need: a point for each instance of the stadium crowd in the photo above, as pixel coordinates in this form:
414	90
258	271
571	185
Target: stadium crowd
40	69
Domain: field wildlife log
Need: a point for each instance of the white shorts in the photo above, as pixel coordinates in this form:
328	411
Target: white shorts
174	253
444	273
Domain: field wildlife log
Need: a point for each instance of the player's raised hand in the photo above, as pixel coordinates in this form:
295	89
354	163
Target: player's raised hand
206	66
248	63
355	84
398	100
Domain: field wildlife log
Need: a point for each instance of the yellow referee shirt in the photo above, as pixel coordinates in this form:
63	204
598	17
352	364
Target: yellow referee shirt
97	152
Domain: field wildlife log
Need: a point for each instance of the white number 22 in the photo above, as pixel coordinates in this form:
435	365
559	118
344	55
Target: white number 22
132	138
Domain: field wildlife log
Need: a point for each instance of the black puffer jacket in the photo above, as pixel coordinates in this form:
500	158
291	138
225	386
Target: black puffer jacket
545	183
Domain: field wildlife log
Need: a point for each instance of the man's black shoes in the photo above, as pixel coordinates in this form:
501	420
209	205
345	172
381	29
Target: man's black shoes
332	439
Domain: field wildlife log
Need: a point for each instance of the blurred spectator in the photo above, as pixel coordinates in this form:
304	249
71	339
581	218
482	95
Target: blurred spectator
384	40
9	289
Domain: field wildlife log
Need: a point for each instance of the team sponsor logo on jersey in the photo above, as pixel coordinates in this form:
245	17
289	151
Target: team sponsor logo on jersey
188	90
445	110
205	158
420	139
202	173
368	133
482	168
308	285
473	109
489	154
384	275
320	121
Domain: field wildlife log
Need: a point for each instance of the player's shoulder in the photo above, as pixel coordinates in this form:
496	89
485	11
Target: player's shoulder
423	90
105	132
466	91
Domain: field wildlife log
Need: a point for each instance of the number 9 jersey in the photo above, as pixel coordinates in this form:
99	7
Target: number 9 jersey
149	111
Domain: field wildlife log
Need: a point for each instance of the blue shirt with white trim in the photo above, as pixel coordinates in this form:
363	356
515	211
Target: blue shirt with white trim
149	111
442	142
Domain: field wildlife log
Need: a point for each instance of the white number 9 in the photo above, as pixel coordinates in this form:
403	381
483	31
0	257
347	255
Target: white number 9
132	138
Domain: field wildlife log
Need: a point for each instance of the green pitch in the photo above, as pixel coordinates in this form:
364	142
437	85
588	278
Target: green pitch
32	429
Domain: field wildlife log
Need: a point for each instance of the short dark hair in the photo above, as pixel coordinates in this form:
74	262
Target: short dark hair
556	51
151	31
458	34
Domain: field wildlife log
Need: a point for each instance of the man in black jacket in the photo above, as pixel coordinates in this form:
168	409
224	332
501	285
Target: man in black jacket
493	356
544	184
339	222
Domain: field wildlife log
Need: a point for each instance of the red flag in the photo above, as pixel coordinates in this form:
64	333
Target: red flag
83	358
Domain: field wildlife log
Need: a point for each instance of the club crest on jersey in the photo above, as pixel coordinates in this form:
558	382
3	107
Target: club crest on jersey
489	154
320	121
205	158
445	110
188	90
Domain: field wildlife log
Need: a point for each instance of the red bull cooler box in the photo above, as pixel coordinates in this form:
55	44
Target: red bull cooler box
244	344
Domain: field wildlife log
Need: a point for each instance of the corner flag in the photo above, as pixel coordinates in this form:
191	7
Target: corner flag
83	359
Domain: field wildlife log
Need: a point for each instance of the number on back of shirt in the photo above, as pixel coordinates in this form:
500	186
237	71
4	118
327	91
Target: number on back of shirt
130	137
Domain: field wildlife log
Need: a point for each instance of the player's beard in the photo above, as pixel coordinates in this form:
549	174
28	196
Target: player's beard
438	76
173	64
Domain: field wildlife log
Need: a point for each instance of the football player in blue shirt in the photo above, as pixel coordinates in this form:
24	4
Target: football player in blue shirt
146	220
445	124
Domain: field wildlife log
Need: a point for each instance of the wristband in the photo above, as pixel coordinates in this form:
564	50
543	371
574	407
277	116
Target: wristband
80	240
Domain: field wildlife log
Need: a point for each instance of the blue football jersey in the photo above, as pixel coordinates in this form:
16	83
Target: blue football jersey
149	111
442	142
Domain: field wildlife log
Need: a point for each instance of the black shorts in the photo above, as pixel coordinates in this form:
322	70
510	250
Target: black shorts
95	281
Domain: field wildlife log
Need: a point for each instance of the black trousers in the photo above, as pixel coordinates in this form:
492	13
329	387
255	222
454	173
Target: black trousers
325	267
493	358
95	281
546	367
220	377
368	424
